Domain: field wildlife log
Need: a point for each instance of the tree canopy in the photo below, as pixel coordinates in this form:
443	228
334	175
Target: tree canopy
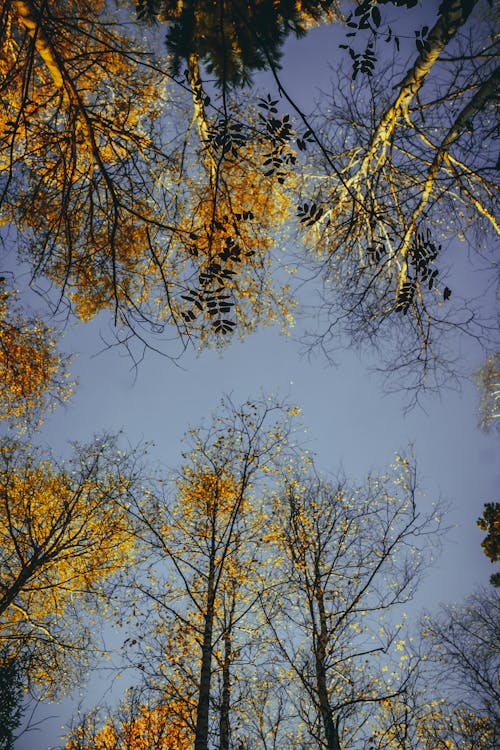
233	39
165	196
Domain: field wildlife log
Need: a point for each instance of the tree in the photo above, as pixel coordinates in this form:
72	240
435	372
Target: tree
397	175
11	699
417	721
347	559
296	586
233	39
63	534
203	564
135	211
488	381
33	374
267	608
463	644
80	162
490	522
132	210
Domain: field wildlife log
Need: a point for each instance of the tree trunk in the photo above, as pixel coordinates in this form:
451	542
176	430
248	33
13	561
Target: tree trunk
329	725
485	92
453	16
226	694
203	708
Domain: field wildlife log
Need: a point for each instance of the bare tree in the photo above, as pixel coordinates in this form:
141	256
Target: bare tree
463	641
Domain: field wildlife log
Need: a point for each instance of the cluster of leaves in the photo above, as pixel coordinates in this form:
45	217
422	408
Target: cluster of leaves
309	213
367	17
33	374
363	62
277	133
422	255
63	533
213	294
490	523
141	722
226	137
367	13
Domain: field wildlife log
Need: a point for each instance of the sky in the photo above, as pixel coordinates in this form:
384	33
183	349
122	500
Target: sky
348	422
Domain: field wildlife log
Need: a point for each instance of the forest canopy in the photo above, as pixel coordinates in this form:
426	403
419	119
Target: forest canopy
141	175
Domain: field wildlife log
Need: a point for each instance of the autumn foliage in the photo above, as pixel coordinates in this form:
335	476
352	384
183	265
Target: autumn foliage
33	374
262	603
63	534
138	726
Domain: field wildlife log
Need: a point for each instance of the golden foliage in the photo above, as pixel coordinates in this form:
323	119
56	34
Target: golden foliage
108	196
77	111
458	729
137	727
63	532
207	494
33	374
232	218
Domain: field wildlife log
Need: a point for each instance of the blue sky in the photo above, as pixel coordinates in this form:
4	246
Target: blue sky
349	423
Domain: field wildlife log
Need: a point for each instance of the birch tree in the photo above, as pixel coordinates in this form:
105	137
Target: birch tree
402	174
